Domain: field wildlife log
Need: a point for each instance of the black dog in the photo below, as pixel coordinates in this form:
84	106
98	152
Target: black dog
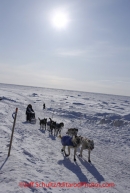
58	128
52	125
43	122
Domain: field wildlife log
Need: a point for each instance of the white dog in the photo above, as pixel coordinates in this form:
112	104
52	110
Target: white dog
87	144
71	142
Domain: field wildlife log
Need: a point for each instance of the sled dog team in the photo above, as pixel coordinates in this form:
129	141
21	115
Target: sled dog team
71	140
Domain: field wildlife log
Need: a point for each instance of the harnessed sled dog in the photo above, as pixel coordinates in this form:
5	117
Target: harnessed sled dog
87	144
51	124
58	127
71	142
72	131
42	122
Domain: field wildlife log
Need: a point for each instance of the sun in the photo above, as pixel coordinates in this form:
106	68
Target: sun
60	19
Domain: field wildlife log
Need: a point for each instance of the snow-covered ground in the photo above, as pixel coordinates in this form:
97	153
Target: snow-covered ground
36	154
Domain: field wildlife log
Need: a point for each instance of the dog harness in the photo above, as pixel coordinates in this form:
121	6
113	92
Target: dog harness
67	141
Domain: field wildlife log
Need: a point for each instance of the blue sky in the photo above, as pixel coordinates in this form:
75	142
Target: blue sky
91	53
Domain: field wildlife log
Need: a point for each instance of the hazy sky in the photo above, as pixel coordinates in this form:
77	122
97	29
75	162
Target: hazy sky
86	47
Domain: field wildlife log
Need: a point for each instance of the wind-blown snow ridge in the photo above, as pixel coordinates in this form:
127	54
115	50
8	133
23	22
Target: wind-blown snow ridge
8	99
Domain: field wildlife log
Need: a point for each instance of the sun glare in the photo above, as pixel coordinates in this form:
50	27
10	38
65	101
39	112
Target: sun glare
60	20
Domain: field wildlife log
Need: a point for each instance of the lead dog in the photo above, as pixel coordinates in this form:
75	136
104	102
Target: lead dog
43	122
71	142
87	144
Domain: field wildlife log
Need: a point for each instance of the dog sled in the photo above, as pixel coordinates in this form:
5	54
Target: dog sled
32	119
